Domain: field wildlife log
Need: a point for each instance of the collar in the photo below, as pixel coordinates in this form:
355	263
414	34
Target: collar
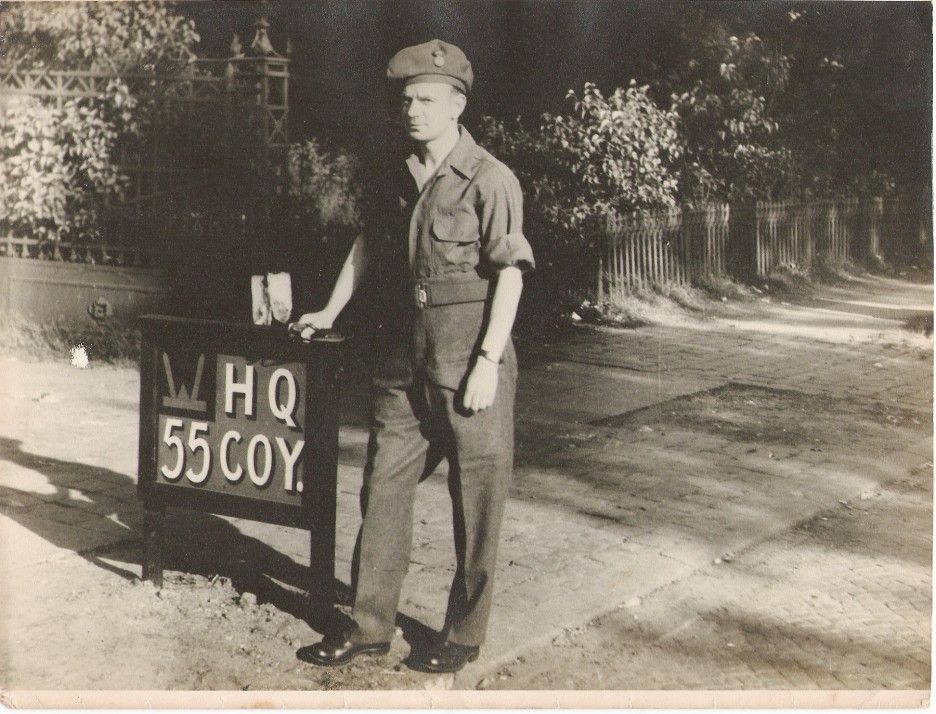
462	158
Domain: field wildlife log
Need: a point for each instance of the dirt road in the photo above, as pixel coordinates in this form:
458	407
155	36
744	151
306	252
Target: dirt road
737	502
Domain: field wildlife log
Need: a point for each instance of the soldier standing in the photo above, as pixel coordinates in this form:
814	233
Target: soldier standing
444	255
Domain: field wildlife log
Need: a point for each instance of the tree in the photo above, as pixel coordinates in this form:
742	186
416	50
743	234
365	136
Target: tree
726	95
845	89
802	100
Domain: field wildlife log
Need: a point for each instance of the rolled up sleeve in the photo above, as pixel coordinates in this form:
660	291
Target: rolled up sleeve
502	241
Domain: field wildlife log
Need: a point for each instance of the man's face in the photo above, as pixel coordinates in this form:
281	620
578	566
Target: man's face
428	109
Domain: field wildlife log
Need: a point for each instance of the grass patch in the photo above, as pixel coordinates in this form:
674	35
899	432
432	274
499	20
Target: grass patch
103	343
656	305
788	281
663	304
688	298
920	323
719	287
877	265
795	280
834	271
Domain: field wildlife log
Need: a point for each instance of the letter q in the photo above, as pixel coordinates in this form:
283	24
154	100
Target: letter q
283	412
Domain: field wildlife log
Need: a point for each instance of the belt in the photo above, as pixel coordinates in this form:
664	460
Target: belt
429	293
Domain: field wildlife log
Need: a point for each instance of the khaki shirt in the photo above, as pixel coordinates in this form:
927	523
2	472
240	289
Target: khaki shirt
468	218
465	225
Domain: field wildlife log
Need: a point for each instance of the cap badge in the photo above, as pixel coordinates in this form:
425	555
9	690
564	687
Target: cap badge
438	58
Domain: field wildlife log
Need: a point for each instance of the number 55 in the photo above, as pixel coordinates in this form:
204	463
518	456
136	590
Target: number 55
195	443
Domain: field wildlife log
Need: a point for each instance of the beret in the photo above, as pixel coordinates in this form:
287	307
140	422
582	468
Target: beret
433	61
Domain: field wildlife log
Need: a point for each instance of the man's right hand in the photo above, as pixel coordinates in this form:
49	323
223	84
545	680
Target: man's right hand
322	320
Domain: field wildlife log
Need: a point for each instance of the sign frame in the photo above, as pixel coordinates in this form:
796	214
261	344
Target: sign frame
316	510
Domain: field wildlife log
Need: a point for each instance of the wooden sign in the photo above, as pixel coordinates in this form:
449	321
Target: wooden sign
239	420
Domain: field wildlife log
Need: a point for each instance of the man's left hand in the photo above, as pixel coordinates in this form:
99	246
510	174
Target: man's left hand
481	385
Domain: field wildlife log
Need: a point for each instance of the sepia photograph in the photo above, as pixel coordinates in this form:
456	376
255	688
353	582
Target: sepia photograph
466	353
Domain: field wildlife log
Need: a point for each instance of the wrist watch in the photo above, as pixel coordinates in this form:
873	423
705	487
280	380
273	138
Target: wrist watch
488	356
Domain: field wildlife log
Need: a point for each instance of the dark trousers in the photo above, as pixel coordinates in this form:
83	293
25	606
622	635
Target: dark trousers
412	427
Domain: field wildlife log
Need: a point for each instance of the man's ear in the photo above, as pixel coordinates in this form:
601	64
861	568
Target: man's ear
459	101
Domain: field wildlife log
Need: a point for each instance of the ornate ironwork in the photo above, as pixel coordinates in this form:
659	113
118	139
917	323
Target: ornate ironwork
181	189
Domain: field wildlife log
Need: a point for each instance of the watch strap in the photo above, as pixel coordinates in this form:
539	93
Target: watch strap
488	356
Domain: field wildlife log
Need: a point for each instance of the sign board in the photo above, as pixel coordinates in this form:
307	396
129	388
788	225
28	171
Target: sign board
239	420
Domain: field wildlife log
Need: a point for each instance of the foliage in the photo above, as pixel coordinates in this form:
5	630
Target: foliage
114	37
785	104
59	163
735	148
606	156
56	163
603	157
620	151
325	187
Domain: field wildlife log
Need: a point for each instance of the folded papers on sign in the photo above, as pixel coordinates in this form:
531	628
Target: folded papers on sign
271	298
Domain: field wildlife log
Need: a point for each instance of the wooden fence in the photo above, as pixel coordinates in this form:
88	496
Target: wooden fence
677	246
682	246
793	234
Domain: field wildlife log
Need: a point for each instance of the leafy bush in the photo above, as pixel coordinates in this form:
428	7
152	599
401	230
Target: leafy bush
59	163
113	37
603	157
620	150
325	188
734	142
607	156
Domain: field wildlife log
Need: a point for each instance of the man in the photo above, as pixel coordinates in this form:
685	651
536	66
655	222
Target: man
444	256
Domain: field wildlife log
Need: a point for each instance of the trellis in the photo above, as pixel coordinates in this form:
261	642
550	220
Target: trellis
177	195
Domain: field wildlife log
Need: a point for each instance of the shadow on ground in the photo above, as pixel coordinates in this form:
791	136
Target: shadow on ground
104	502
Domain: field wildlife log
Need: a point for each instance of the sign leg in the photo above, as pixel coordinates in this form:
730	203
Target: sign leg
153	522
322	574
321	487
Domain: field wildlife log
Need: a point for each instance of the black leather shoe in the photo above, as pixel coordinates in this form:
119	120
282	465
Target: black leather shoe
328	653
449	657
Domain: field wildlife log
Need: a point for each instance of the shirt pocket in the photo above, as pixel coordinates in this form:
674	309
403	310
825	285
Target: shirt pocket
456	240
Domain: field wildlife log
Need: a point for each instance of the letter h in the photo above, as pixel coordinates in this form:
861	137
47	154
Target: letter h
245	388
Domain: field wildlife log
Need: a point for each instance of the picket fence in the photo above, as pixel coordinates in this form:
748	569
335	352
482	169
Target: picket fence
746	242
677	246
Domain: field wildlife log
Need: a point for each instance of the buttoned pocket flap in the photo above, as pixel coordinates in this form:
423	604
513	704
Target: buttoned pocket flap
461	227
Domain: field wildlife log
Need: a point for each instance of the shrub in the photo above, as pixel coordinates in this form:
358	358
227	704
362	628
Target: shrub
619	150
113	37
324	188
603	157
59	164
